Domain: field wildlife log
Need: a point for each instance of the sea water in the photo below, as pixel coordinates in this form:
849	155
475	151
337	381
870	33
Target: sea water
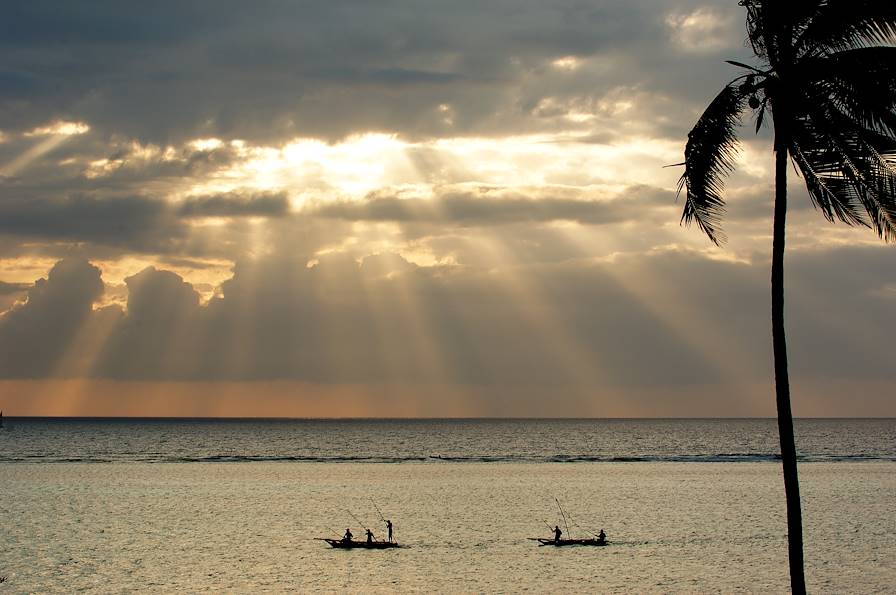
236	506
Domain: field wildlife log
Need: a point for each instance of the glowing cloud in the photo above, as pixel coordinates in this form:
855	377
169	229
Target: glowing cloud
567	63
60	128
703	29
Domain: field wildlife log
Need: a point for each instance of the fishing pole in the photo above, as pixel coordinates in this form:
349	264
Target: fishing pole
575	524
584	529
357	520
378	511
563	514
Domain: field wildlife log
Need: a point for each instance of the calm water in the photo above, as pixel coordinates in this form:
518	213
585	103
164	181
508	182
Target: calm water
689	505
390	441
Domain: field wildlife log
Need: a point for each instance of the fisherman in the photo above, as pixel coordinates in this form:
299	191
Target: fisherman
601	536
369	536
389	527
557	532
348	536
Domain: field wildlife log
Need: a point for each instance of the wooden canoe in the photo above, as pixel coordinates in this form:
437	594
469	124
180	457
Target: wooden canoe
555	542
364	545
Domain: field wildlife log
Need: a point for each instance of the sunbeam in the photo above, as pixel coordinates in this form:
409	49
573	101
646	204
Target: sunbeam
661	295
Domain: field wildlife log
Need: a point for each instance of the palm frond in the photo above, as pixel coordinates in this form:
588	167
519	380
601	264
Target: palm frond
708	157
860	83
845	24
756	27
831	195
847	168
772	25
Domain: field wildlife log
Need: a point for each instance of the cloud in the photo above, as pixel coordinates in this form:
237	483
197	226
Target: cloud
487	206
275	71
10	293
12	288
135	223
704	28
470	194
574	324
236	204
61	128
57	316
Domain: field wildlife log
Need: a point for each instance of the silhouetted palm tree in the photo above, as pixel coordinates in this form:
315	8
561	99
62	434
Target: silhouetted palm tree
827	79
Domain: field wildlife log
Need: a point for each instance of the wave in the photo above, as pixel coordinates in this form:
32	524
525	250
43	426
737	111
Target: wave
288	458
446	459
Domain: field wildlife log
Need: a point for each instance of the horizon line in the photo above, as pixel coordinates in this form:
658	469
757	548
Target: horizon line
424	418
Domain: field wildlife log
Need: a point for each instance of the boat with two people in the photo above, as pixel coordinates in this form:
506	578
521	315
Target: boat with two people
561	542
595	539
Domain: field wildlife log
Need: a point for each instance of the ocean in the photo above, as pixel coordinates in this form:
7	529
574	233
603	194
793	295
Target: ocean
199	505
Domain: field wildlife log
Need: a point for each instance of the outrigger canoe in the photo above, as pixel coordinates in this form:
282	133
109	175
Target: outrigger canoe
365	545
547	541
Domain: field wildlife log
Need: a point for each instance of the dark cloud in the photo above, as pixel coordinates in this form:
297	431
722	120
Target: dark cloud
12	288
58	316
576	324
159	335
562	284
236	204
10	293
135	223
497	206
174	69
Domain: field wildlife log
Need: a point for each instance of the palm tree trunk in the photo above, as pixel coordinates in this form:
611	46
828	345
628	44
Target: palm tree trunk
782	381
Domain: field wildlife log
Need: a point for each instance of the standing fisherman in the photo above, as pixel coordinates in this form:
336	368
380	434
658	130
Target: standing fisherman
389	527
369	536
557	532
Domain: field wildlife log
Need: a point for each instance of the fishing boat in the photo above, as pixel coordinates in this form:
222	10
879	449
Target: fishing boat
364	545
371	543
556	542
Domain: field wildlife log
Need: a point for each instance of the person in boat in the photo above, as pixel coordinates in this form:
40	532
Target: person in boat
601	536
369	536
348	536
389	528
557	532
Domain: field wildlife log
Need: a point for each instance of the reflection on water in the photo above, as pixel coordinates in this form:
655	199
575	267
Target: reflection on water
439	441
673	527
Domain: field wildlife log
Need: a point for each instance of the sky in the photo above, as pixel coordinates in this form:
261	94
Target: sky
403	208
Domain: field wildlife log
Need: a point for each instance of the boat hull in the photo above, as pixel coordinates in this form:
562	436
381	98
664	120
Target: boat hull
362	545
562	542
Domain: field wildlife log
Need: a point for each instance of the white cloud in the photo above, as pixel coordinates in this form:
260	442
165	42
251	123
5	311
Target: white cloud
569	63
705	28
60	128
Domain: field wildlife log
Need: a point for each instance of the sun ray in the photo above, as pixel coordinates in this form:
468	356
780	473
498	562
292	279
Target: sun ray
529	302
408	333
662	296
32	154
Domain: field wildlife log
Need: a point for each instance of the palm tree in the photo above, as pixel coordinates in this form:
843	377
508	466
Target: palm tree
827	80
